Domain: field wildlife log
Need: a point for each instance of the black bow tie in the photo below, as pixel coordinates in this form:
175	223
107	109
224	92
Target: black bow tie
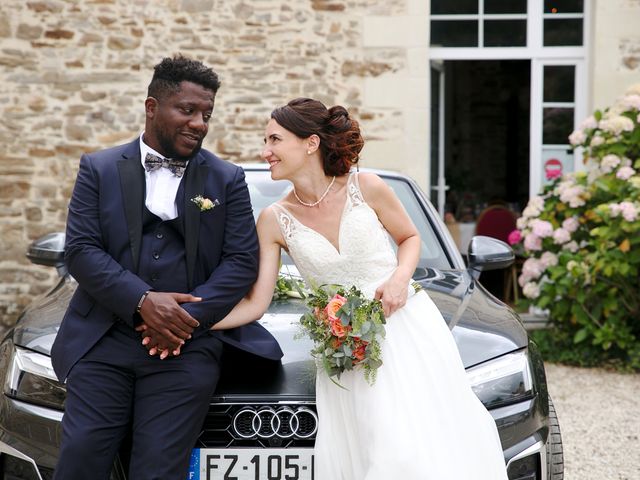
153	162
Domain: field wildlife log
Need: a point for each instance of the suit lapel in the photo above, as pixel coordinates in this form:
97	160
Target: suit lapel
132	184
194	185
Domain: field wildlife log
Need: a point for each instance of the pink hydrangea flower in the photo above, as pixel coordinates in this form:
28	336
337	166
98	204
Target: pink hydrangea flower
561	236
625	173
532	242
571	224
572	246
577	137
609	162
629	211
589	123
541	228
531	290
616	125
631	102
532	268
549	259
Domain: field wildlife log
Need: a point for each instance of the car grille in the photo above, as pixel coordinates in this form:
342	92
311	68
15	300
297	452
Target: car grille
259	425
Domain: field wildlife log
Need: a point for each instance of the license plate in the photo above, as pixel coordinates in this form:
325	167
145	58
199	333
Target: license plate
251	464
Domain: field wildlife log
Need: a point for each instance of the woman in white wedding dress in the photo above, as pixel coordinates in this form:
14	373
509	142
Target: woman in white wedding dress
420	420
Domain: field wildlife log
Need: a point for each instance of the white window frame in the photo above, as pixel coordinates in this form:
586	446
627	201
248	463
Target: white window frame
539	56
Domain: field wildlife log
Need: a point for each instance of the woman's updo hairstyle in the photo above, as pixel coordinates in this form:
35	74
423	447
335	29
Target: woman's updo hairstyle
340	138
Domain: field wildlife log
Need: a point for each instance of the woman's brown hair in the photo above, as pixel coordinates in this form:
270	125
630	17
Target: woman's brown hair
340	138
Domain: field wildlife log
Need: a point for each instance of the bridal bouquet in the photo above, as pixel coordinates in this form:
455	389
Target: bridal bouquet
347	329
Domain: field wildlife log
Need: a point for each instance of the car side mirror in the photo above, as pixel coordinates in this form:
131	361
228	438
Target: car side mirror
487	253
49	251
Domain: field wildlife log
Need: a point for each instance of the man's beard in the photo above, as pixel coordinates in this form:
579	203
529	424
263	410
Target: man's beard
167	146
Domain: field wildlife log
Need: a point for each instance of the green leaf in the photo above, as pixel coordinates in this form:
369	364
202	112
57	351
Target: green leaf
580	335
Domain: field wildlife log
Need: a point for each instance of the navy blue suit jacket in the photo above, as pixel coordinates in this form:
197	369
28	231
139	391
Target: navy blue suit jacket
103	239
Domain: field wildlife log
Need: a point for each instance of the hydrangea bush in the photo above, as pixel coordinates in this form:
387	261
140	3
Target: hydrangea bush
581	237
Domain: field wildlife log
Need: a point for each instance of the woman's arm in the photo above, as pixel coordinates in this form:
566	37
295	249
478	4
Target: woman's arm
391	213
256	302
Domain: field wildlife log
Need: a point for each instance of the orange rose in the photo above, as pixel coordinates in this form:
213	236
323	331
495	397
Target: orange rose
336	343
337	328
359	353
334	305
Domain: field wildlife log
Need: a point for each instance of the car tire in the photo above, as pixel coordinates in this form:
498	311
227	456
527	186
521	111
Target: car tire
555	456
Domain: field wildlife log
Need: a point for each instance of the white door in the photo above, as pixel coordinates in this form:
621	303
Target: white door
558	103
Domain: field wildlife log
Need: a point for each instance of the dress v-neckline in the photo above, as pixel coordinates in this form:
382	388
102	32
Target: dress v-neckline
337	249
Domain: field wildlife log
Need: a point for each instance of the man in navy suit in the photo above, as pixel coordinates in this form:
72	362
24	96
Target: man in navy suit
160	237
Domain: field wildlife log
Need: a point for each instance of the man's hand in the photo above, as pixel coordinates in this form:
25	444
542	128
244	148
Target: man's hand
166	325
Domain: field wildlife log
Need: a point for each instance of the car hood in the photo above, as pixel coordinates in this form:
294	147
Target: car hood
483	328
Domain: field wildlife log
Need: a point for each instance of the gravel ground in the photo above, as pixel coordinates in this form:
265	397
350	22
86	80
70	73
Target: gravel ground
599	415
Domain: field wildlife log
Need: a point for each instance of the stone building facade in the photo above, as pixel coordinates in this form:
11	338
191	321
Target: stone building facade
74	75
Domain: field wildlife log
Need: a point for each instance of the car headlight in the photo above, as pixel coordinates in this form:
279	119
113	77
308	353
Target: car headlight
502	381
29	377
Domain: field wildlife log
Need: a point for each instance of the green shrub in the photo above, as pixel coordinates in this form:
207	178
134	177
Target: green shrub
582	237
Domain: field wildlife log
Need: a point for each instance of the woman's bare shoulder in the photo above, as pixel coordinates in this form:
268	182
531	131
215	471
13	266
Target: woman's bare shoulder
268	226
372	186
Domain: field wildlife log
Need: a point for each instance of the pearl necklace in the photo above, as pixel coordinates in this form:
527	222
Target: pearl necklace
321	196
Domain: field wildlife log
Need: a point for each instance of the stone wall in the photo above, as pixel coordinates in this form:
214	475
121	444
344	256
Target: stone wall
74	75
615	58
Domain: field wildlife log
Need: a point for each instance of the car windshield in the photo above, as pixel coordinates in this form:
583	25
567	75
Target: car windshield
265	191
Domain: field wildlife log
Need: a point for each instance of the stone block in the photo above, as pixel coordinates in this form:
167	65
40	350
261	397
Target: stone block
123	42
196	6
46	6
14	189
59	34
5	26
29	32
328	5
364	68
78	133
33	214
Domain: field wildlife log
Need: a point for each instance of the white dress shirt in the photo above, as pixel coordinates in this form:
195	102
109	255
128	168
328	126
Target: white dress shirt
162	187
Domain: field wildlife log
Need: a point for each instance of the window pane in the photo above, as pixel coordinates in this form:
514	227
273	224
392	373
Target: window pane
505	33
559	83
557	125
447	7
505	6
563	6
454	33
560	32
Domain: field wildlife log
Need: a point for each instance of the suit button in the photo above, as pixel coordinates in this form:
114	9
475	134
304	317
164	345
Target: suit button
159	235
154	278
156	255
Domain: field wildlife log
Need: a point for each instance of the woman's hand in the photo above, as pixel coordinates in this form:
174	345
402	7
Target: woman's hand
393	295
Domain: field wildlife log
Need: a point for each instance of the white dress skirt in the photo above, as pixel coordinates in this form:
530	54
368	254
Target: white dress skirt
420	419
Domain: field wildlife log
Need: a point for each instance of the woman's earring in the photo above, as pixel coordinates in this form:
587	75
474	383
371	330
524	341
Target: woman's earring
308	152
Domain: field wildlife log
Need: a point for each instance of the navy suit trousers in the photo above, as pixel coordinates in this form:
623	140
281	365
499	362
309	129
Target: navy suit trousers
118	389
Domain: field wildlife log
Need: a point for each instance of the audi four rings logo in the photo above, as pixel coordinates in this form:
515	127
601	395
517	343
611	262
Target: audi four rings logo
268	422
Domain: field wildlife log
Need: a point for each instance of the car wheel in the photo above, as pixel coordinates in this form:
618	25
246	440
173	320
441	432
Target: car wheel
555	457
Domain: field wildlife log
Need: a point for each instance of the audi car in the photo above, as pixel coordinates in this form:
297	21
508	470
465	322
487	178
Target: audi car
262	420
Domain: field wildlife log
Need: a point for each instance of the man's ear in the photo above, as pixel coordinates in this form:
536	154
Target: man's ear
313	143
150	107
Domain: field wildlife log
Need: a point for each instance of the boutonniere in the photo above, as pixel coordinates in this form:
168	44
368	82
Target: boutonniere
205	204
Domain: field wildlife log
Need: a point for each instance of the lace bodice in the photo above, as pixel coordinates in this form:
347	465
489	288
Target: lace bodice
366	257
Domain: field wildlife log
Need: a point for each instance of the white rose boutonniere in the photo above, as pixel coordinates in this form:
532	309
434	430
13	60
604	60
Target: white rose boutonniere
205	204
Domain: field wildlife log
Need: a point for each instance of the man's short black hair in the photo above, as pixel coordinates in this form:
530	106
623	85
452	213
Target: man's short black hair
171	71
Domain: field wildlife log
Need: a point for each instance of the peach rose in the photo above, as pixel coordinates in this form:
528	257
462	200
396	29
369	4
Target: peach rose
337	328
334	305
